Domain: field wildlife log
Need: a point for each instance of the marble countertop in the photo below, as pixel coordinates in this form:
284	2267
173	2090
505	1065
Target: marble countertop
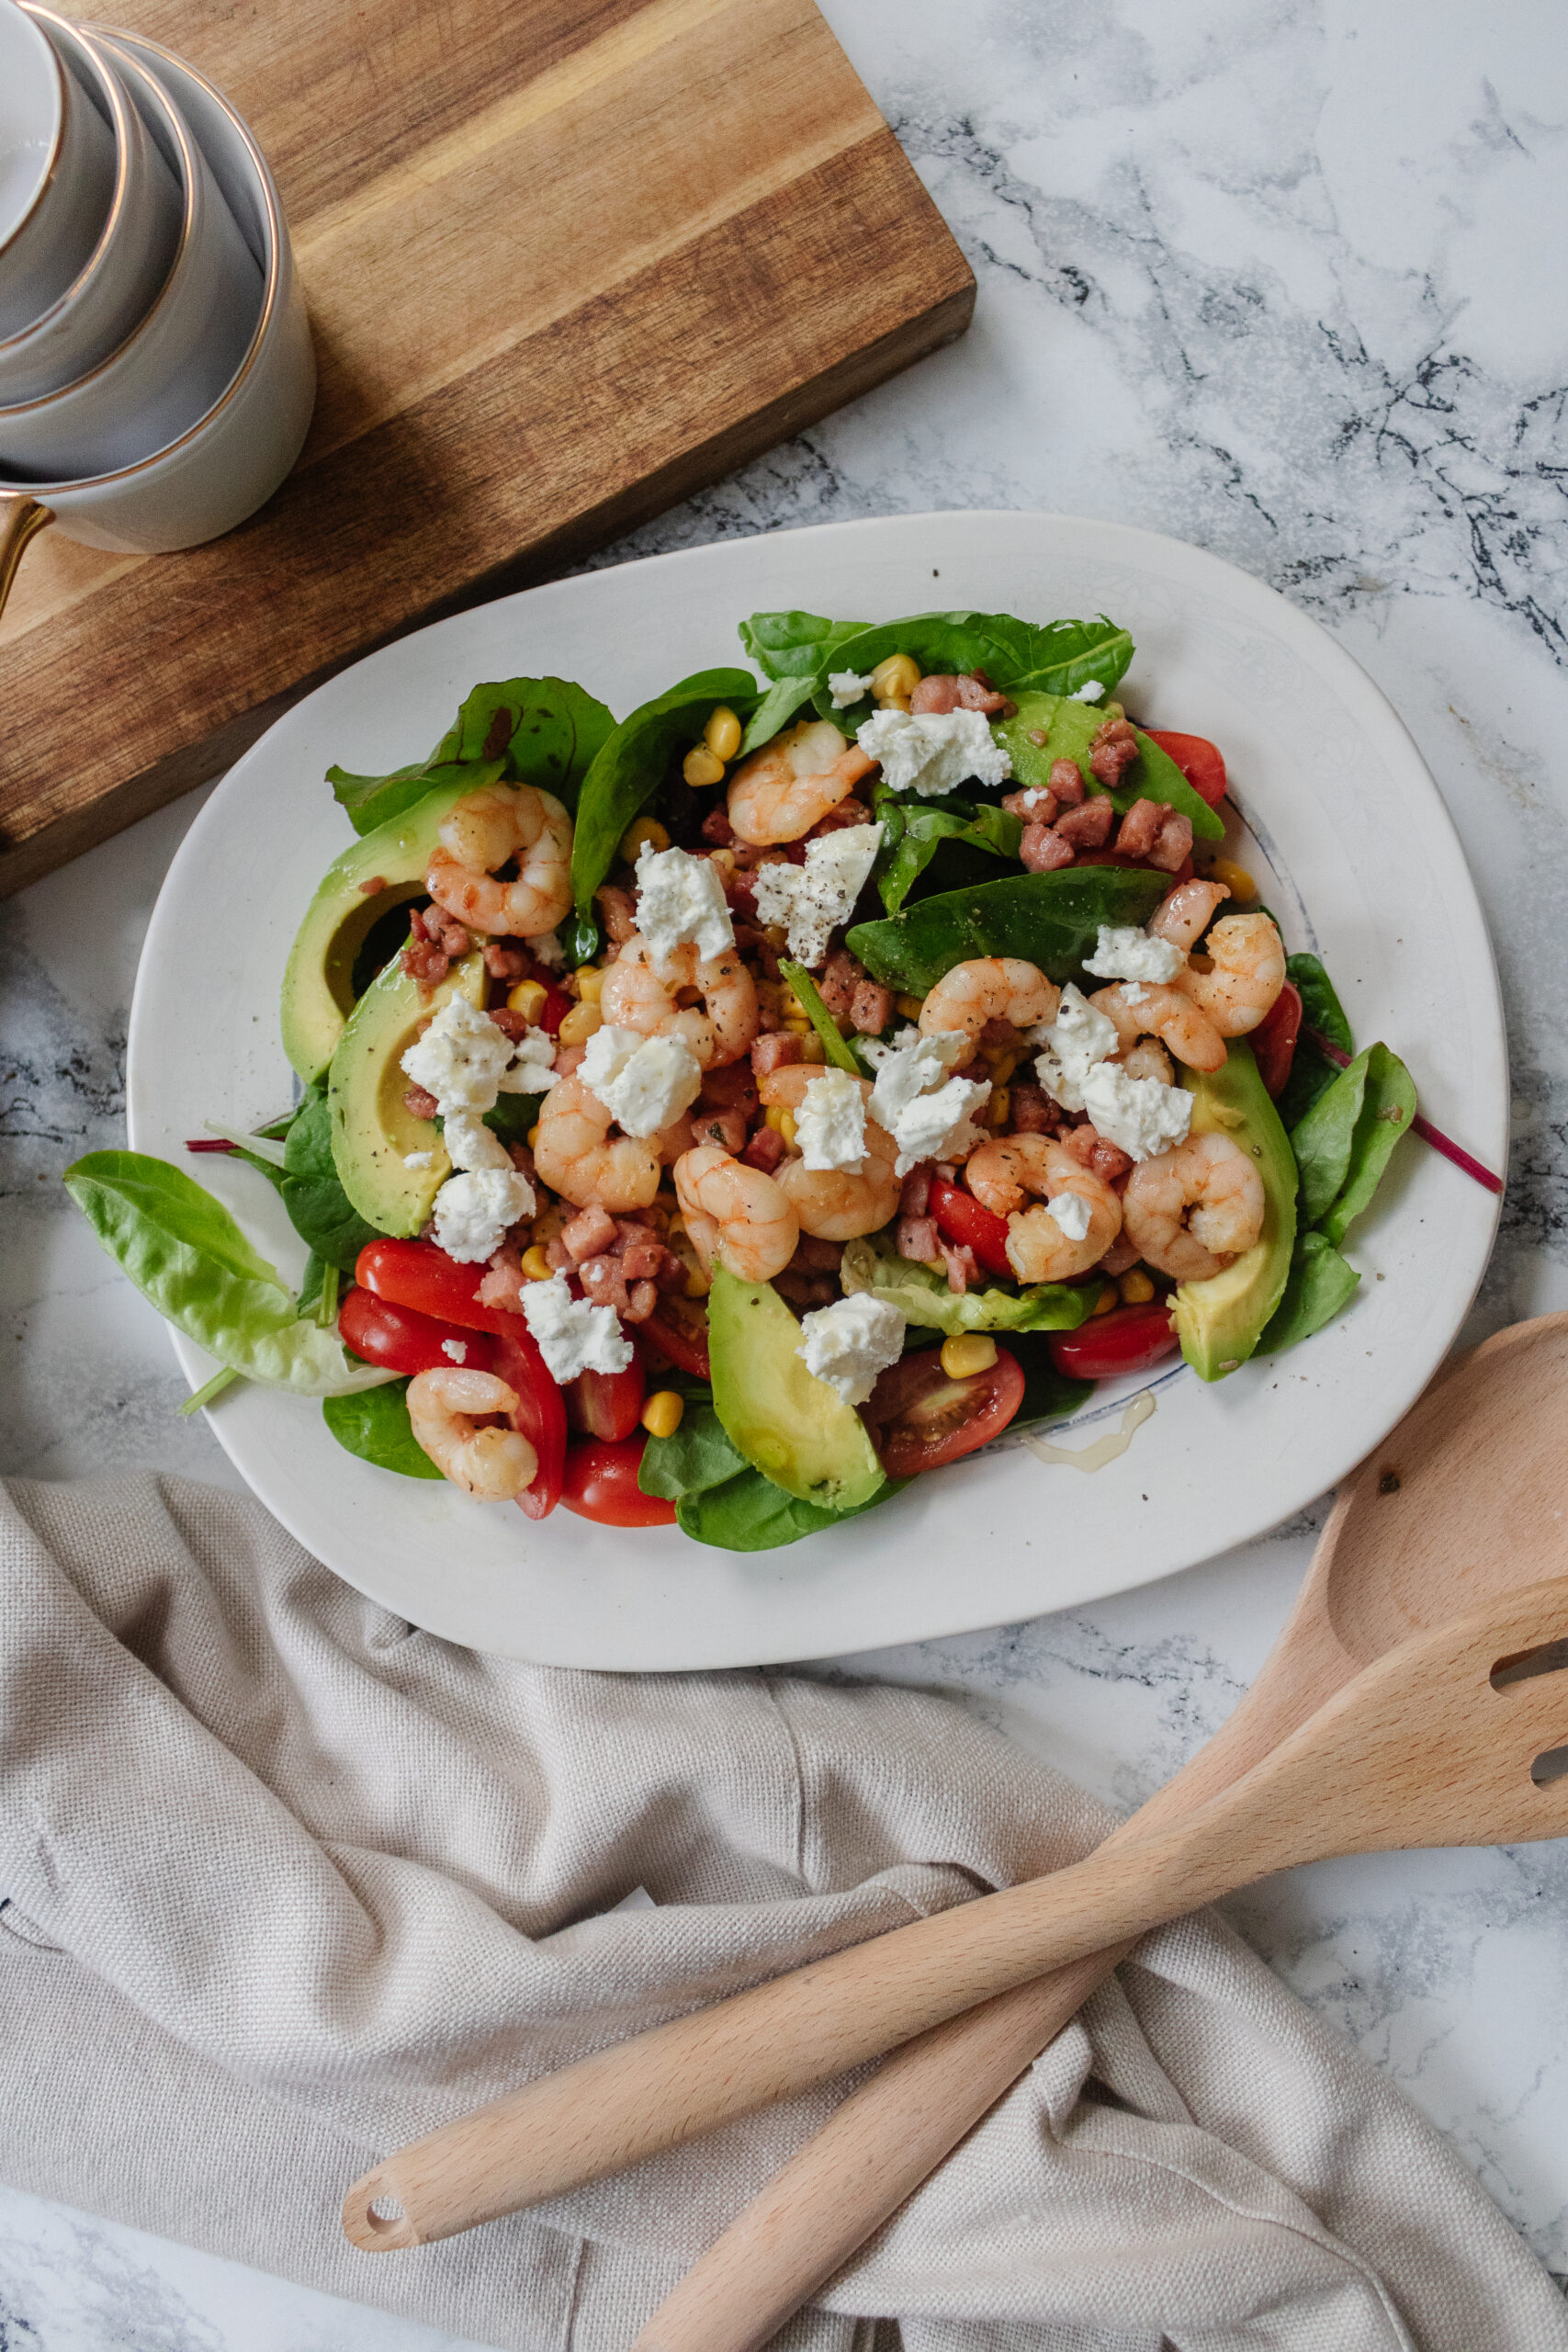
1271	276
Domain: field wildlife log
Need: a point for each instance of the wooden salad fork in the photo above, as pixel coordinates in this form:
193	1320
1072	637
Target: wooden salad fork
1375	1722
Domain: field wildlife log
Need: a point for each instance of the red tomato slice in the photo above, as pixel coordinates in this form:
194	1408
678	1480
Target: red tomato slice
402	1339
601	1484
540	1415
1201	762
964	1219
556	1005
416	1274
925	1418
678	1330
1130	1338
1274	1039
607	1403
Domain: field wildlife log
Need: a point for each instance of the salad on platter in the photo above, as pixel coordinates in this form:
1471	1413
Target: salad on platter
722	1116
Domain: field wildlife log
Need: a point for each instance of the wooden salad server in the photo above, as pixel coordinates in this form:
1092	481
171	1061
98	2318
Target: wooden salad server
1374	1722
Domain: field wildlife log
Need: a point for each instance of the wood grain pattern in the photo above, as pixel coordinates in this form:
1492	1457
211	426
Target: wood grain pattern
564	266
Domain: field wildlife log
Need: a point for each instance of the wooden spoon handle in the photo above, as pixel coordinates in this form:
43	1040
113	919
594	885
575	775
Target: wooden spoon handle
872	2153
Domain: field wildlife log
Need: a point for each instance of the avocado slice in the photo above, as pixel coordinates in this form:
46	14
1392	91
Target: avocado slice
1219	1321
318	990
789	1425
372	1130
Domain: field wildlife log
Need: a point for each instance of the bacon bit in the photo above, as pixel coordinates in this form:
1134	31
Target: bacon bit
506	963
1424	1127
848	812
1041	851
726	1130
419	1104
917	1238
915	1198
776	1051
1091	1150
764	1151
1113	750
1174	847
716	827
871	1008
377	882
962	1266
1031	1110
511	1024
1065	781
1140	828
619	910
590	1234
1086	828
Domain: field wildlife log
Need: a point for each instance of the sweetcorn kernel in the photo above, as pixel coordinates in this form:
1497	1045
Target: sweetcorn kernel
1001	1062
646	833
536	1265
999	1108
1235	879
966	1353
896	679
1135	1287
701	767
909	1006
580	1024
782	1121
528	998
663	1412
590	983
722	733
812	1049
1109	1297
534	1136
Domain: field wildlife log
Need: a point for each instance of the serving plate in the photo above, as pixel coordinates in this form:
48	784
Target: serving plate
1360	863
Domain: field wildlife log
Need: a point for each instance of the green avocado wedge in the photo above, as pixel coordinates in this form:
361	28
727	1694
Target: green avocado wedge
318	984
1221	1321
373	1132
788	1424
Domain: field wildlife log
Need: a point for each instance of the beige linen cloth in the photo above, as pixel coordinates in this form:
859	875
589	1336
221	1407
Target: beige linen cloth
288	1883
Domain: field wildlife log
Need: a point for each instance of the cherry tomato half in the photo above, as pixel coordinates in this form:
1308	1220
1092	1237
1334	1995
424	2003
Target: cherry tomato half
965	1220
402	1339
923	1417
1201	762
1274	1039
678	1330
601	1484
556	1007
1130	1338
607	1403
540	1414
416	1274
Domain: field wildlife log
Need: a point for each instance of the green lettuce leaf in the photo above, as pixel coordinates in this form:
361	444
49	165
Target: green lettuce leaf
795	645
1318	1285
921	1295
1052	920
633	762
375	1426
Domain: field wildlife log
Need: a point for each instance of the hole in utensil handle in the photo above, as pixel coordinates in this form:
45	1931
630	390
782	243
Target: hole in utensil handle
1548	1658
374	2219
1551	1765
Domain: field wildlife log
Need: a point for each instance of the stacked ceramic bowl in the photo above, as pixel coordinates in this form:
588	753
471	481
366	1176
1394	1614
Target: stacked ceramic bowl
157	377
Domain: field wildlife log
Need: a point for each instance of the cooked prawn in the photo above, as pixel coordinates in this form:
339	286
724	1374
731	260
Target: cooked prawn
786	787
1148	1009
642	991
1147	1057
990	988
1003	1174
576	1156
835	1203
1182	914
1248	960
735	1216
1193	1209
482	832
494	1464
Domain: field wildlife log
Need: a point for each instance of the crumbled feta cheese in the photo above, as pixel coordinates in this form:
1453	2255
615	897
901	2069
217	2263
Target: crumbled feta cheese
573	1335
531	1074
830	1123
849	1343
933	751
1032	797
1091	692
928	1113
474	1210
680	899
458	1350
461	1057
418	1158
1070	1046
1133	991
1139	1115
845	687
1124	952
645	1083
813	898
549	951
1072	1213
471	1145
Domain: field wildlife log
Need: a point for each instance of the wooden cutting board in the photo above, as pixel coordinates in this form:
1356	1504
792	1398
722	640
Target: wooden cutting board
564	265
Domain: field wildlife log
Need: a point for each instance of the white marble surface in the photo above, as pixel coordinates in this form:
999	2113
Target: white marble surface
1278	278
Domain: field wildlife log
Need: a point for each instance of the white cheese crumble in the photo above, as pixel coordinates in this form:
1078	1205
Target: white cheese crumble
1138	1114
1072	1213
829	1123
549	951
1090	692
812	899
846	688
933	751
645	1083
474	1210
1070	1046
1124	952
928	1113
458	1350
418	1158
573	1335
531	1074
466	1060
849	1343
471	1145
681	901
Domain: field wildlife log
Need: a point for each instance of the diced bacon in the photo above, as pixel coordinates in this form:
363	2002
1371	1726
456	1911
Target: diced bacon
775	1052
419	1104
1034	805
1065	781
1043	850
837	820
559	1257
641	1259
1086	828
605	1283
818	1257
505	963
511	1024
805	1291
446	932
591	1232
917	1240
377	883
915	1198
1140	828
426	963
716	827
672	1275
764	1151
1091	1150
569	1060
871	1008
941	692
1113	750
725	1129
1174	846
962	1267
641	1300
757	948
1031	1110
841	975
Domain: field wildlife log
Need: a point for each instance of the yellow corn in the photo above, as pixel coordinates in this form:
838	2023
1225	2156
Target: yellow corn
536	1265
896	679
967	1353
722	733
1235	879
999	1108
528	998
697	1282
1001	1062
1136	1288
647	832
909	1006
783	1120
590	983
534	1136
580	1024
701	767
661	1414
1107	1300
812	1049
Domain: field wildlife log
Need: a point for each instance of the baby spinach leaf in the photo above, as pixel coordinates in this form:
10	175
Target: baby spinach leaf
697	1455
922	1295
1311	1073
185	1253
375	1426
776	710
834	1044
721	1500
1343	1145
318	1209
917	830
1052	920
631	763
547	732
1057	658
373	800
1318	1285
1068	728
513	1117
795	645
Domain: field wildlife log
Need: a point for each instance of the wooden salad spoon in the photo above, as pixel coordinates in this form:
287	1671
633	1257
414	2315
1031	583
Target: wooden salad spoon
1345	1743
